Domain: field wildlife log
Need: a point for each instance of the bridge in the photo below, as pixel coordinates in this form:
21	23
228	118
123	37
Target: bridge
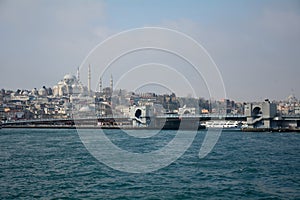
112	121
167	121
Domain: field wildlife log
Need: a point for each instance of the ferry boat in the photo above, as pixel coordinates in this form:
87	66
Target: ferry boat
226	125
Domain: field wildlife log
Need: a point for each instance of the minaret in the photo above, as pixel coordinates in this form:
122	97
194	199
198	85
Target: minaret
89	80
111	83
100	85
78	74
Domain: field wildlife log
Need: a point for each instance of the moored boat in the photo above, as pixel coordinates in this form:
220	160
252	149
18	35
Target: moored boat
226	125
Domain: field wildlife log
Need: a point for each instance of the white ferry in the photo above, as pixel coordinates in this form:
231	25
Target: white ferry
226	125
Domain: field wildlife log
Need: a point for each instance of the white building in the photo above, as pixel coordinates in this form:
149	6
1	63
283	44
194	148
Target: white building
70	85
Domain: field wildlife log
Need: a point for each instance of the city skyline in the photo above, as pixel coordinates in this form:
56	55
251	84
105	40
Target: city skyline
254	44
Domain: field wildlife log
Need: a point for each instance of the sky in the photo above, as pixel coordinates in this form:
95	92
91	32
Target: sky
254	44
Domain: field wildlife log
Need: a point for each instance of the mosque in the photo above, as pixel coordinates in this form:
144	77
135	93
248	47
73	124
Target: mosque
70	85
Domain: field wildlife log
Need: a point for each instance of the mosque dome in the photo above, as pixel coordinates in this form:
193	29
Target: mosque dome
60	83
42	92
76	86
34	91
69	76
76	89
69	79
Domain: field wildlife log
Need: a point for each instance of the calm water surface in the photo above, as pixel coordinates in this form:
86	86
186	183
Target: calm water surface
53	164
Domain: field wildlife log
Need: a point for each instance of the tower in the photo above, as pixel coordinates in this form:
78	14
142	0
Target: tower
89	80
111	83
100	85
78	74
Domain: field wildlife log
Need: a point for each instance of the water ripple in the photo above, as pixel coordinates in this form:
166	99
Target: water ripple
53	164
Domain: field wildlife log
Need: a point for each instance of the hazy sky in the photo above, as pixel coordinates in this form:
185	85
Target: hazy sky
255	44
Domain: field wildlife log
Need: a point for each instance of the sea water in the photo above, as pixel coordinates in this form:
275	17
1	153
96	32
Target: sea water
50	164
